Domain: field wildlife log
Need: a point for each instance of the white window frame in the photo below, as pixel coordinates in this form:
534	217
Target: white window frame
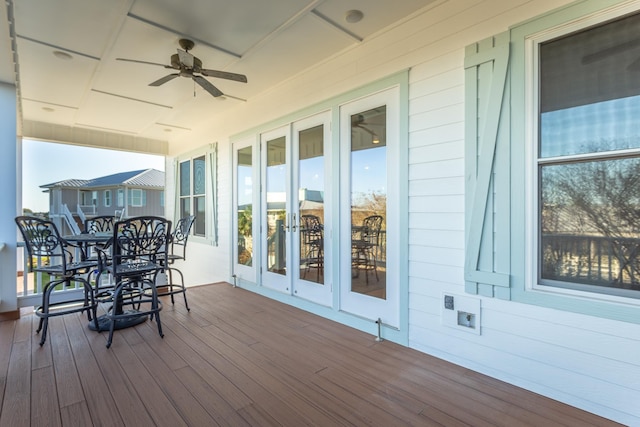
209	153
120	197
532	160
107	198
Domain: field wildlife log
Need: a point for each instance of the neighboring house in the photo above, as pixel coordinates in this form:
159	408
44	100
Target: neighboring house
124	194
461	100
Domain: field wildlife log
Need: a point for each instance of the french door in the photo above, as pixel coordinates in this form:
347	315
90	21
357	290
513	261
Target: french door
295	237
369	214
288	222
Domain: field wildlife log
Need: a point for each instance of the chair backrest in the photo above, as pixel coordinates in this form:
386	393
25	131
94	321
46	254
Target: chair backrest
371	227
180	234
99	224
310	228
140	238
43	241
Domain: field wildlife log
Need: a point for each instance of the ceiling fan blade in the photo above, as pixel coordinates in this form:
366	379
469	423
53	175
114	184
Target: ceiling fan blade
234	97
143	62
185	58
206	85
164	79
224	75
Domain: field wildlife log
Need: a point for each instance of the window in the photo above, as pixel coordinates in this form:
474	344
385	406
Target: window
107	198
557	94
192	176
137	197
587	162
120	197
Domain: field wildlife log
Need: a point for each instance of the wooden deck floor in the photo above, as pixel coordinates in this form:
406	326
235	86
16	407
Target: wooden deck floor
239	359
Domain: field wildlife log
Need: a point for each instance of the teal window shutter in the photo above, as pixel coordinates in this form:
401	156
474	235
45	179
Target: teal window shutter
487	168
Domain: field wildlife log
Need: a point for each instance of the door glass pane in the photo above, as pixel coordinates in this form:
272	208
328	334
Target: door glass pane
369	202
276	204
311	199
245	209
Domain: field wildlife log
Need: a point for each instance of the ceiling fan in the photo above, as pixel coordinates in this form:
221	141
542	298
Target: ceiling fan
189	66
358	121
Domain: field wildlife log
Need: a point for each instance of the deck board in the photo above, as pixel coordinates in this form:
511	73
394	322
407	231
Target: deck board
240	359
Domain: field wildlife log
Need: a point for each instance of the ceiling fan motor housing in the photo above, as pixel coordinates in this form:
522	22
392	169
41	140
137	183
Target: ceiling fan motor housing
175	63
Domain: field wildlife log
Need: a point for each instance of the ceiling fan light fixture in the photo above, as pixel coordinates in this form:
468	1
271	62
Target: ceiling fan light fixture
353	16
62	55
375	139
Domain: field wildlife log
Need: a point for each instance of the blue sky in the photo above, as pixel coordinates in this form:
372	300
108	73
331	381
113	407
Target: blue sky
596	127
46	162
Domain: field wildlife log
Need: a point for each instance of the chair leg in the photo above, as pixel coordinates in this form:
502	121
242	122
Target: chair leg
155	305
43	325
184	289
171	284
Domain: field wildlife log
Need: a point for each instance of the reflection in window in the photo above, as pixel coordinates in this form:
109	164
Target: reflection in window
199	177
311	199
244	197
192	175
185	189
369	201
276	214
589	210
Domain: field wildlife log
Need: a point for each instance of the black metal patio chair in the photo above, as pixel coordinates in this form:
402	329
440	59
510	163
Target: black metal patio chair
55	256
137	251
177	251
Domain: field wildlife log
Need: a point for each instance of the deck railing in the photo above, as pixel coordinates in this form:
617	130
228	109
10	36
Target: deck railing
597	260
30	284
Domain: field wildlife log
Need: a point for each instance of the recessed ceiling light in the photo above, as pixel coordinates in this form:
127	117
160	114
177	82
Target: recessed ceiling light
48	109
62	55
353	16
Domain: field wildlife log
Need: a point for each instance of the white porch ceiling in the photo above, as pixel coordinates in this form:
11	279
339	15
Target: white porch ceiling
267	40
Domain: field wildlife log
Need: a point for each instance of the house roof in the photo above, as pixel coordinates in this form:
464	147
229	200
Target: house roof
145	178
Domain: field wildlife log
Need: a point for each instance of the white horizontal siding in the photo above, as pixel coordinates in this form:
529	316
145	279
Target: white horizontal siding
533	347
